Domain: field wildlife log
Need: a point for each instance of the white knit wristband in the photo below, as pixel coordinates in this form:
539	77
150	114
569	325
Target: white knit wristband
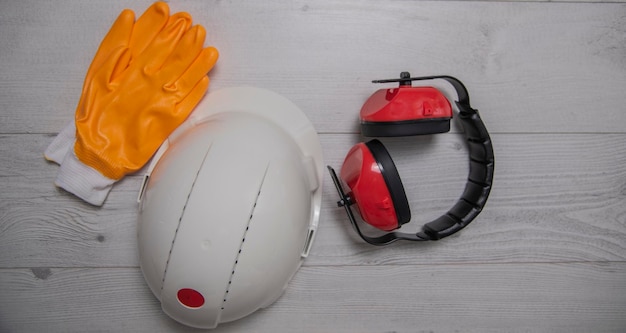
82	180
62	143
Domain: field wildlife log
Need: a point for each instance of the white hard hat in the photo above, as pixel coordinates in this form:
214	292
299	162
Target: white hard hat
229	206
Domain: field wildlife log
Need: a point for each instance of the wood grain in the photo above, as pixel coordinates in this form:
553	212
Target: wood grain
577	297
530	67
557	198
548	254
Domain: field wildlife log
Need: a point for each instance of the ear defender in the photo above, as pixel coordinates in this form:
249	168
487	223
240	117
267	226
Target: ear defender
375	186
373	182
405	110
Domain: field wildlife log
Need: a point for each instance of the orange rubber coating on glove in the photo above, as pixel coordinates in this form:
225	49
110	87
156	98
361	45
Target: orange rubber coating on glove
130	107
136	36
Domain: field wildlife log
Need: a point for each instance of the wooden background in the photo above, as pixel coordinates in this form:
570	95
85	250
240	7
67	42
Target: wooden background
548	254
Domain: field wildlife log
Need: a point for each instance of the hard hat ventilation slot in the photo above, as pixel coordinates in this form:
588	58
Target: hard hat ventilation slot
180	219
243	239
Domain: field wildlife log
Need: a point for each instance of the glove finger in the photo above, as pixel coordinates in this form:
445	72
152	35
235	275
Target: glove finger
118	65
184	54
165	42
148	25
194	73
184	108
102	79
118	36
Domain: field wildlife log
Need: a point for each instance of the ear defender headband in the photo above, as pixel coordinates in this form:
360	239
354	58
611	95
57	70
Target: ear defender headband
372	178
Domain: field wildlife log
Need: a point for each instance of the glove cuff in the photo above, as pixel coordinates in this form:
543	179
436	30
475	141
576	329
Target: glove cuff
83	181
98	159
61	144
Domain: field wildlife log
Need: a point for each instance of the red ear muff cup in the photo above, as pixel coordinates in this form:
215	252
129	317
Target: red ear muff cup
405	111
368	189
392	179
375	186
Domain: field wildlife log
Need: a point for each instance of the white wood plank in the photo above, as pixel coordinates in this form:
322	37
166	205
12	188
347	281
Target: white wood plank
530	66
556	198
574	297
547	254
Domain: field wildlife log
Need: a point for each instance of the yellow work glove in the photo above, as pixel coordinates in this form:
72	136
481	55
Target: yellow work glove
133	101
124	119
124	32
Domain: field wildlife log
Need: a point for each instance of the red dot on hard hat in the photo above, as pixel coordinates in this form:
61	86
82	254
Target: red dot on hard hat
190	298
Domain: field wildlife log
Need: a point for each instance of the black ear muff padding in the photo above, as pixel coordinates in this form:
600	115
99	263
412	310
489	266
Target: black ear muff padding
405	128
392	179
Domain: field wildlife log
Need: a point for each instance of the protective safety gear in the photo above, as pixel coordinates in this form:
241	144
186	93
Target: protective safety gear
124	119
230	206
124	32
374	184
137	96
